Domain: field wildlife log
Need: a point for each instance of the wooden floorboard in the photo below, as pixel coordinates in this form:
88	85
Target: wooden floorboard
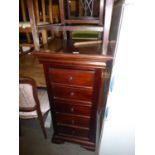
30	66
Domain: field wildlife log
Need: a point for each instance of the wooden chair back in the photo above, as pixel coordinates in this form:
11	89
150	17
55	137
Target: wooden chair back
100	21
90	15
43	15
42	9
29	104
84	12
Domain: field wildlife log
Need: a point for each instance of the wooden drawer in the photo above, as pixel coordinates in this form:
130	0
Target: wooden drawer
72	93
73	131
72	77
72	120
72	109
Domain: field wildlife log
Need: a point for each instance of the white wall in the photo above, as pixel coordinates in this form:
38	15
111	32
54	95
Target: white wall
133	95
118	133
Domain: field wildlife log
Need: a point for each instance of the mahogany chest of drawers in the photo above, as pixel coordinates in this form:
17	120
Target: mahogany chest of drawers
75	85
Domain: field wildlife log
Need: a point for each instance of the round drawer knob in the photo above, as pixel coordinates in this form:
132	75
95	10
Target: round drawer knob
70	78
72	94
72	109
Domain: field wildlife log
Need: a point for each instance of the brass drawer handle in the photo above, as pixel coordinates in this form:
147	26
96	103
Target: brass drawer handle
70	78
72	94
72	109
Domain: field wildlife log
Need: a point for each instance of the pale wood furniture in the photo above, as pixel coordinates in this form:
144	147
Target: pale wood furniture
42	15
99	24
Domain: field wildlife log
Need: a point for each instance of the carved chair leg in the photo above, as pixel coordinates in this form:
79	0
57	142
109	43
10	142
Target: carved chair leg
41	121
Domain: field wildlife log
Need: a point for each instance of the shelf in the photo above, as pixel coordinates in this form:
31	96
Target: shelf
72	47
60	27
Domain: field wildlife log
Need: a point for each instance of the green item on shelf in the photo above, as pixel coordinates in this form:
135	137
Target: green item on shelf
84	35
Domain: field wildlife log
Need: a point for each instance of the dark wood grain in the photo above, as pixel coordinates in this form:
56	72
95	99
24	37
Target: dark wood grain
64	119
75	82
75	113
60	27
71	108
81	132
107	24
85	102
61	91
71	77
74	59
101	12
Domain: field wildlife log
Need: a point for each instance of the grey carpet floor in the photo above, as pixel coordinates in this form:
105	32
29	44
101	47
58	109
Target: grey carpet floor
32	142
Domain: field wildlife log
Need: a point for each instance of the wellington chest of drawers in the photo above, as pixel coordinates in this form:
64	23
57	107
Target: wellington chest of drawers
75	85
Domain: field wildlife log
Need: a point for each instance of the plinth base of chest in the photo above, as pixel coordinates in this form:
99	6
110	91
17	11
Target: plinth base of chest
84	142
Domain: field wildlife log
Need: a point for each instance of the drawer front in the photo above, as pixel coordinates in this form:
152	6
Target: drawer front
72	77
72	120
72	109
72	93
73	131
